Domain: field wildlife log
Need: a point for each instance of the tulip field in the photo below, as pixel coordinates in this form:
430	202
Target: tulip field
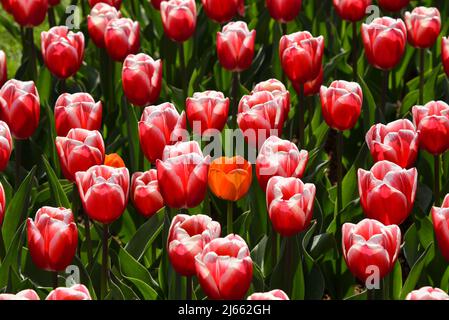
224	150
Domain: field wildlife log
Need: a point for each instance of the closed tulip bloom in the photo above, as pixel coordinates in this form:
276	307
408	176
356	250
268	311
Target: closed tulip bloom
261	115
445	54
142	79
63	51
222	11
79	150
157	4
27	294
396	142
207	112
179	19
224	268
114	3
2	204
235	46
52	238
301	56
99	17
29	13
3	68
114	160
160	126
182	175
427	293
393	5
104	192
186	239
440	218
423	26
351	10
279	157
230	178
7	6
20	107
277	89
370	244
432	123
387	192
290	204
78	110
311	87
284	11
145	193
5	146
76	292
341	104
53	3
384	40
121	38
271	295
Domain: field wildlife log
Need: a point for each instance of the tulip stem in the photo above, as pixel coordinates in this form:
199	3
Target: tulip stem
32	53
189	288
54	275
230	218
339	174
436	171
301	110
235	98
51	17
104	273
354	50
421	75
284	32
17	161
182	60
90	256
383	101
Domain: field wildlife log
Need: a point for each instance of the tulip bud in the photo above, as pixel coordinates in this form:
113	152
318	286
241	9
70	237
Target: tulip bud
20	107
279	157
445	54
142	79
222	11
157	4
440	218
271	295
29	13
186	239
99	17
160	126
235	46
3	68
145	193
78	110
311	87
341	104
301	56
393	5
2	204
277	89
387	192
396	142
207	111
423	26
351	10
230	178
370	248
76	292
384	40
7	6
5	146
224	268
114	160
178	19
113	3
79	150
290	204
28	294
182	175
432	122
284	10
121	38
52	238
427	293
104	192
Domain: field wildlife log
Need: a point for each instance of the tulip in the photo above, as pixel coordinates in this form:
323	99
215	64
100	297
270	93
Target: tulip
207	111
5	146
224	268
271	295
52	238
284	11
104	192
387	192
427	293
396	142
160	126
7	6
145	193
279	157
290	204
157	4
114	3
20	107
445	54
440	218
53	3
277	89
63	51
79	150
179	19
235	46
393	5
351	10
222	11
99	17
369	245
114	160
28	294
341	104
121	38
78	110
423	26
182	175
187	237
29	13
3	68
2	206
261	115
142	79
310	88
76	292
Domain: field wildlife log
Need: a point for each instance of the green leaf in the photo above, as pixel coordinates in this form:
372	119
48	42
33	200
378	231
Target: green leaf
57	192
11	258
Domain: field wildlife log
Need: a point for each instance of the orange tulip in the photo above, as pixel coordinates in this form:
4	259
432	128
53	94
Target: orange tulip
230	178
114	160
